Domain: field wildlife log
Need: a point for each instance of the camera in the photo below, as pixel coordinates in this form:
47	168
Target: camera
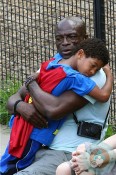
89	130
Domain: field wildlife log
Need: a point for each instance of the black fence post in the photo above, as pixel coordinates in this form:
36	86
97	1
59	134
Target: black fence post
99	19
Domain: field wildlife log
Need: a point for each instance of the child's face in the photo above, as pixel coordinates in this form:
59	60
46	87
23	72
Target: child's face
89	66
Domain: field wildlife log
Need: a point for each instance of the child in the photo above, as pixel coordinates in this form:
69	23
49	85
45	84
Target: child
88	58
84	163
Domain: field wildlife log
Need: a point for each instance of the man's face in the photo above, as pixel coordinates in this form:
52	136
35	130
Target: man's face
67	37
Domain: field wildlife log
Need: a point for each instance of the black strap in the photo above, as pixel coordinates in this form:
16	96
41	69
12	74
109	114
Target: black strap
106	118
75	118
77	122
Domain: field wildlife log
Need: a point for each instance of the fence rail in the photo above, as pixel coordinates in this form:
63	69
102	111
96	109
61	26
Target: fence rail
27	33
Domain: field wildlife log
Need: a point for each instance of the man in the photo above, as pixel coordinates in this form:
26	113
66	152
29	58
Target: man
69	32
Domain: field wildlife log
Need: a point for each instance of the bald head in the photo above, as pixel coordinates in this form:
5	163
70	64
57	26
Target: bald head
76	23
69	33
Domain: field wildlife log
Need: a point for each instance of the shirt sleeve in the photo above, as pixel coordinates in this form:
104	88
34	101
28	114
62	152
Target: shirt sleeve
82	85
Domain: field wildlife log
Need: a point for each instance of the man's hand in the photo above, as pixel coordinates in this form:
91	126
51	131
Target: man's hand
30	114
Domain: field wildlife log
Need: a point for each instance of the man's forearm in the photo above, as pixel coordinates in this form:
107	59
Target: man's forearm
26	110
15	97
52	106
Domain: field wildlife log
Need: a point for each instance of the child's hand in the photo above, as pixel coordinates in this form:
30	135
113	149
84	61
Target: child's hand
86	173
107	71
81	162
80	159
106	68
80	149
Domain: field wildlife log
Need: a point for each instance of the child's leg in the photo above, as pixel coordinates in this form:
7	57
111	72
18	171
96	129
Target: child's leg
10	164
63	169
5	159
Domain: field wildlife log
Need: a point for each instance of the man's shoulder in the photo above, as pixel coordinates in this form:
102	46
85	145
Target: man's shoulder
100	73
99	78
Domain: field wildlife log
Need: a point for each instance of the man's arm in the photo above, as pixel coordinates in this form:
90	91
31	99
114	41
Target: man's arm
26	110
20	95
55	107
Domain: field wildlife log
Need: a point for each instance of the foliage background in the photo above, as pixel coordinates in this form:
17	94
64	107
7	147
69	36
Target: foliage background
27	38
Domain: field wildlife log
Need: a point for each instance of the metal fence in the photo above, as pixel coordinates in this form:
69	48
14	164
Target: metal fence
27	33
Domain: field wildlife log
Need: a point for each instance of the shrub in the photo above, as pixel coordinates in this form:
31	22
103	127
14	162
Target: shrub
110	131
7	89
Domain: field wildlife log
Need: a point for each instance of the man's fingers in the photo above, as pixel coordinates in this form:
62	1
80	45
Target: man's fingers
36	124
31	115
42	119
39	122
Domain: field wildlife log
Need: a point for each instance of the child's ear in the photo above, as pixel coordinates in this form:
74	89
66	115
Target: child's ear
81	53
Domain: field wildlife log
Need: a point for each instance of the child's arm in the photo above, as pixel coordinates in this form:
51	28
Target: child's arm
103	94
111	141
81	161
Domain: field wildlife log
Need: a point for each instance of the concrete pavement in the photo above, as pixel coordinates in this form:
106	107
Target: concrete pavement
4	137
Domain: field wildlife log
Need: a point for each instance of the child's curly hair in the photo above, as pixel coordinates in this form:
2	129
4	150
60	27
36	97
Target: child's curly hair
94	48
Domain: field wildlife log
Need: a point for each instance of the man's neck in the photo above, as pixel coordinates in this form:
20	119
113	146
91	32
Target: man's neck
71	62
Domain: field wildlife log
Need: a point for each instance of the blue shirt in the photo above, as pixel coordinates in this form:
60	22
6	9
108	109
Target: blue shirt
75	81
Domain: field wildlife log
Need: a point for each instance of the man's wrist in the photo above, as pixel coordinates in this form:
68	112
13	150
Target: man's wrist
15	106
28	81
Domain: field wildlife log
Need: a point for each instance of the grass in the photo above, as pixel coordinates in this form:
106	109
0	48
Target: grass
110	131
7	89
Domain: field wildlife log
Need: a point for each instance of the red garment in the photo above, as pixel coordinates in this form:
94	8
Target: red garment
21	129
19	136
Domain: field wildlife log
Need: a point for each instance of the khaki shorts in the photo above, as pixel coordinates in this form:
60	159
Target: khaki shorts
46	162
